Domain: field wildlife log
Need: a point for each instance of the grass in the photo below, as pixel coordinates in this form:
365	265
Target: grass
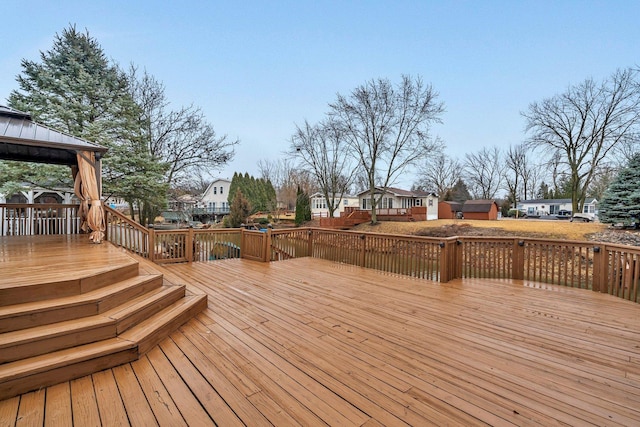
560	229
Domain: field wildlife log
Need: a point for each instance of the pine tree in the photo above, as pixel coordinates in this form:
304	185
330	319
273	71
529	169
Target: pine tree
238	211
621	201
75	89
303	207
259	192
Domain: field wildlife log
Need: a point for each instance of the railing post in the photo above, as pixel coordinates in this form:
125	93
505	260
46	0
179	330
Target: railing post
310	244
517	266
363	250
267	246
600	267
152	243
105	214
450	260
243	242
190	243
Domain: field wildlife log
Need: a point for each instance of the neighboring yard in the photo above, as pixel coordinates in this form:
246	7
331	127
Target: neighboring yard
559	229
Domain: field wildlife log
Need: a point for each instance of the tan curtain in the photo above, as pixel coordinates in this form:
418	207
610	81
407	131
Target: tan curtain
87	190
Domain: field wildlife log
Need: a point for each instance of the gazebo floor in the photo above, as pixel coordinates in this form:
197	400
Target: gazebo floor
311	342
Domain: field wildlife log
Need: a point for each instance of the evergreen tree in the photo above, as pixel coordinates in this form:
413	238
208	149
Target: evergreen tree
459	192
303	207
74	88
238	211
621	201
259	192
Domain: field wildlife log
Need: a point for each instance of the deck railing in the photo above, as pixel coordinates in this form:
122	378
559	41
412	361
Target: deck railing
21	219
126	233
614	269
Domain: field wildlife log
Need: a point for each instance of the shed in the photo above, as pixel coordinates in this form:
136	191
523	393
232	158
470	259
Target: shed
480	209
449	210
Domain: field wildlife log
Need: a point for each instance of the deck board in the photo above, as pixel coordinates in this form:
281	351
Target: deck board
310	342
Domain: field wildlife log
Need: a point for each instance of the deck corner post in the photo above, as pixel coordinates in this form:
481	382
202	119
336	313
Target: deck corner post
450	260
517	266
600	269
363	250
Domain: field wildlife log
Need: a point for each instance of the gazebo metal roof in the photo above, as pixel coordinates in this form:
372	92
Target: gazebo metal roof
22	139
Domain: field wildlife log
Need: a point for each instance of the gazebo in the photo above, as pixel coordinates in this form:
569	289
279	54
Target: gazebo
22	139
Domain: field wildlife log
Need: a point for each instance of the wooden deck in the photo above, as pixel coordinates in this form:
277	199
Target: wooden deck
311	342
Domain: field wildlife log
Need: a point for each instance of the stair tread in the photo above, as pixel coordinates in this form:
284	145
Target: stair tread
162	318
54	330
143	301
56	359
90	297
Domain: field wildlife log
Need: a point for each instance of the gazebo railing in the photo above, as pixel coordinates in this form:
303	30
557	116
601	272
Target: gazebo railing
22	219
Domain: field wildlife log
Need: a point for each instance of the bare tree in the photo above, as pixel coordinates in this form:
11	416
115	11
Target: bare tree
183	139
584	125
387	128
439	173
286	178
322	150
483	172
516	172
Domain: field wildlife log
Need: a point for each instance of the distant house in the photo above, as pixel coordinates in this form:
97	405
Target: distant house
396	199
319	207
537	207
480	209
185	203
214	199
449	210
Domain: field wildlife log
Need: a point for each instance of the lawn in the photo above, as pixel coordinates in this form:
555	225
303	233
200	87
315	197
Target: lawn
559	229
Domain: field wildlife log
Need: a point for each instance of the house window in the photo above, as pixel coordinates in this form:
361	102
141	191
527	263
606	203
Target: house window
346	202
213	206
215	190
364	204
221	190
430	202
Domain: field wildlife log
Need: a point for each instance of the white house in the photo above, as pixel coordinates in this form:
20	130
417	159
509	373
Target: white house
535	207
214	199
398	199
319	207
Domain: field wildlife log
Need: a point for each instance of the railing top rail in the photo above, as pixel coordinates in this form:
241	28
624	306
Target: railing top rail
129	221
39	205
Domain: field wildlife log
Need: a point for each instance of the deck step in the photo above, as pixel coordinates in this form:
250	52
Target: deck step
31	314
139	309
42	371
153	330
76	309
42	286
31	373
30	342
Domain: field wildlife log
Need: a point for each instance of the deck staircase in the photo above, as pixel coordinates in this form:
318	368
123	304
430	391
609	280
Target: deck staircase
55	329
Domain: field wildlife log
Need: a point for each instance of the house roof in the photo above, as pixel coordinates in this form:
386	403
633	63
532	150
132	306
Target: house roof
400	192
547	201
454	206
478	205
24	140
344	196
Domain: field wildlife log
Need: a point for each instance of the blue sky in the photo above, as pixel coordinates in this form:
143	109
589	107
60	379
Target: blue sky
258	68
